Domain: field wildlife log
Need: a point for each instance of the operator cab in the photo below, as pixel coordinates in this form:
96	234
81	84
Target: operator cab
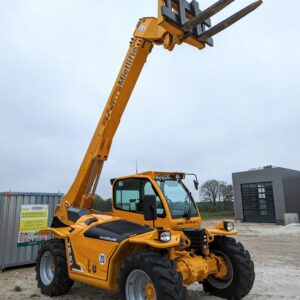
175	206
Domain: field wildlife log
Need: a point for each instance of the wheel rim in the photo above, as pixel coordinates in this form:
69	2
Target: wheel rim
224	282
139	286
47	268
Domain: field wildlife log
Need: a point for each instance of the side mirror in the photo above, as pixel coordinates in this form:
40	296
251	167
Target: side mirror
149	204
196	184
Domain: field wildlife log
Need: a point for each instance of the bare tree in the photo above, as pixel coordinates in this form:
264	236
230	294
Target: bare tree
225	192
214	190
210	190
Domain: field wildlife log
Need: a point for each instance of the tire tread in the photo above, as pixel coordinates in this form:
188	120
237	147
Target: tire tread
61	283
244	274
163	271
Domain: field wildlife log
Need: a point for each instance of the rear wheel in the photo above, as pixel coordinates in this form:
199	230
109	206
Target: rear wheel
52	269
240	277
147	275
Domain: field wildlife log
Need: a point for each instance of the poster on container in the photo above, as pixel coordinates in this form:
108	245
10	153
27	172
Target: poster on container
33	218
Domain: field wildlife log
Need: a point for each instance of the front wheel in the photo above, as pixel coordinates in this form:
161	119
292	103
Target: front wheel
149	275
240	276
52	269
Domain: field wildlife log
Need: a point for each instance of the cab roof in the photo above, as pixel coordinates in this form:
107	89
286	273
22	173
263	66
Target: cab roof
152	175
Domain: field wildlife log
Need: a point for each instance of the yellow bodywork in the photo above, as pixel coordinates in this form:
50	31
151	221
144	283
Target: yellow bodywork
86	252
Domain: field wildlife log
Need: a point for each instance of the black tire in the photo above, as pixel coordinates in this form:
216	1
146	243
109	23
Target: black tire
61	282
239	284
162	272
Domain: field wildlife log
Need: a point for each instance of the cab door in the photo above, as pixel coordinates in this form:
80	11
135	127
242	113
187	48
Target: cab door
128	195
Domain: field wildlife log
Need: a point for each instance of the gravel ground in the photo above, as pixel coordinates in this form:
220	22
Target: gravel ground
274	249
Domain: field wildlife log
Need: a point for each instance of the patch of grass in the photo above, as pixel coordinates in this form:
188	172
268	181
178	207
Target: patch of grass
35	296
17	288
217	214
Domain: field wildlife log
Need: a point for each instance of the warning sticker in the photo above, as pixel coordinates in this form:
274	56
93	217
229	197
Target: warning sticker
33	218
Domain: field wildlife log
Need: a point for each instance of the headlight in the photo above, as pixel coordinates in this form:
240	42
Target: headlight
165	236
229	226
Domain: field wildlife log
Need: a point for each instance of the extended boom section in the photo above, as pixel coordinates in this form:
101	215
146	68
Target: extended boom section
81	193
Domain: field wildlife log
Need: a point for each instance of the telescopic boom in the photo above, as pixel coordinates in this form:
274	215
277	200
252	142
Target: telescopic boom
178	21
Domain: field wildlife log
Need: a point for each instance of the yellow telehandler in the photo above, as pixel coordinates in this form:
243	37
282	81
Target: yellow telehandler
152	245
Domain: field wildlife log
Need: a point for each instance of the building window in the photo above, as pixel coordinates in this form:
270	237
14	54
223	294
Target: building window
262	199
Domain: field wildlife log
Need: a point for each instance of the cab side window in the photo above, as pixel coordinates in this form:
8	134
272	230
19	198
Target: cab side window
129	193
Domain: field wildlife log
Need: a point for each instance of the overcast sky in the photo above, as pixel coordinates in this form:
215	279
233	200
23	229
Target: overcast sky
213	112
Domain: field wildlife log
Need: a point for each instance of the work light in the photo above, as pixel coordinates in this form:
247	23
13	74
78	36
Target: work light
229	226
165	236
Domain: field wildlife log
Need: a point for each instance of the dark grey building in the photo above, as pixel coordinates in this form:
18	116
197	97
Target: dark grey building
265	195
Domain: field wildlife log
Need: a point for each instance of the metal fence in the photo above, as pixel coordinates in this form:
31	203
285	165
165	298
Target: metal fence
10	210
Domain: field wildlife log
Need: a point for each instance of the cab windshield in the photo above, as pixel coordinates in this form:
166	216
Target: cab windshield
179	199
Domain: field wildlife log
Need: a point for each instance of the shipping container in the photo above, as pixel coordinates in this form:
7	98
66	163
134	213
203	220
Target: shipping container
19	241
